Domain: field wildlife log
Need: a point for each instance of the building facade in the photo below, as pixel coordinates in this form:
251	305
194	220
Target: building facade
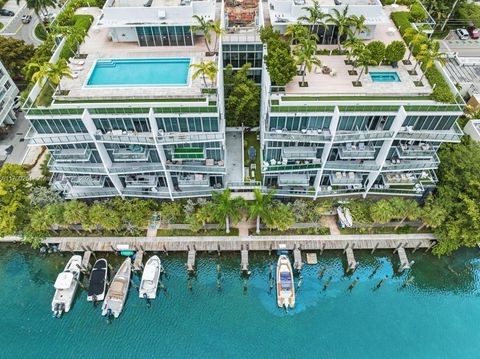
8	92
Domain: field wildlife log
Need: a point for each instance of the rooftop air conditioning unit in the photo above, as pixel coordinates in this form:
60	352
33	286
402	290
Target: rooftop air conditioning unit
338	2
162	14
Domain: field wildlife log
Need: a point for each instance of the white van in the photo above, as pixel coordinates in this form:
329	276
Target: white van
462	34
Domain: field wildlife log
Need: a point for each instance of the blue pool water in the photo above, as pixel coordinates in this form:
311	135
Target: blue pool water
384	77
435	316
140	72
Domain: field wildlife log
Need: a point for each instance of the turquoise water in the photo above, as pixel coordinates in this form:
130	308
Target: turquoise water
140	72
435	316
384	77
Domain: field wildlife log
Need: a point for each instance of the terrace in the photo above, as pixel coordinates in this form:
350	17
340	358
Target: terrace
99	46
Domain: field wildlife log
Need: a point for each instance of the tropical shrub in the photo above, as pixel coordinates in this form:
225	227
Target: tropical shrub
395	51
377	51
417	14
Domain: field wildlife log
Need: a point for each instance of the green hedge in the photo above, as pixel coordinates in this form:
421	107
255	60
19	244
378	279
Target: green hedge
441	92
469	13
82	22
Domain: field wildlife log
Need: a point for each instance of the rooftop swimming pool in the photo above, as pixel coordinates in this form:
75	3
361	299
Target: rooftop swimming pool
139	72
384	77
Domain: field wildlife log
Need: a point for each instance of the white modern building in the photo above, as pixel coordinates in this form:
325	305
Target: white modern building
8	92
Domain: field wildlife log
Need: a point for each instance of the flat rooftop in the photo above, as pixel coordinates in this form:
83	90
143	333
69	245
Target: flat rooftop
463	73
341	83
150	3
98	46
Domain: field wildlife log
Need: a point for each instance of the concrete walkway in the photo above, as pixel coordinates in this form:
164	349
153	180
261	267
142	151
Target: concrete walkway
331	223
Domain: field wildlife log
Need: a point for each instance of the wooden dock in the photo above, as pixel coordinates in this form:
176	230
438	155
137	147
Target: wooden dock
297	259
244	258
138	263
404	263
191	260
255	243
351	262
86	260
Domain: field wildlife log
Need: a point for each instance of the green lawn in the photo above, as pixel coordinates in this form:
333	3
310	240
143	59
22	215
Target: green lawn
187	232
250	139
291	231
40	32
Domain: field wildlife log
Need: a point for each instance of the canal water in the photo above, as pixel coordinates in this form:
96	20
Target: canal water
436	315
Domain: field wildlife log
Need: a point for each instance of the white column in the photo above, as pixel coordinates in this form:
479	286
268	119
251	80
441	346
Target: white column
102	151
385	149
160	151
327	149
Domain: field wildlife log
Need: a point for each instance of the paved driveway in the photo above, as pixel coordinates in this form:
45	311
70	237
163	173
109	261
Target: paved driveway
465	48
15	137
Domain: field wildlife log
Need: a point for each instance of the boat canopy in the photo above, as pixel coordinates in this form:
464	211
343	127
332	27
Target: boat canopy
286	280
64	280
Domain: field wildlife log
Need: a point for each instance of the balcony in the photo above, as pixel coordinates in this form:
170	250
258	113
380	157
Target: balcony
65	155
94	168
357	136
209	167
312	136
290	179
56	138
192	181
362	166
132	167
360	151
453	135
196	193
345	179
91	193
405	165
153	192
414	191
133	153
422	151
140	181
299	153
291	167
119	136
188	154
293	192
188	137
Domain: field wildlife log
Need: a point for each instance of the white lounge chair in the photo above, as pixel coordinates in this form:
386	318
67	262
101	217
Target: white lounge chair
74	61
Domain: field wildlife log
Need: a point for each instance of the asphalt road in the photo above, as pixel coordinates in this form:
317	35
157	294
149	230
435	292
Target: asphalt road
464	48
15	137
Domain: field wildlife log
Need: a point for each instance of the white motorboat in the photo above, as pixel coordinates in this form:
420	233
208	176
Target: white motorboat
117	293
150	276
348	218
66	286
341	217
98	281
285	283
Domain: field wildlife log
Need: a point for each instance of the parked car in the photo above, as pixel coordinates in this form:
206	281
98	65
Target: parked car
473	32
48	17
26	19
5	12
9	150
462	34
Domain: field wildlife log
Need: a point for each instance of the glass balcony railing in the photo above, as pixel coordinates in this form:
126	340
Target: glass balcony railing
196	193
103	192
140	181
56	138
453	135
356	136
154	192
415	151
186	182
403	165
292	167
316	136
345	179
365	152
66	155
135	167
143	138
293	153
125	154
95	168
182	137
351	166
196	168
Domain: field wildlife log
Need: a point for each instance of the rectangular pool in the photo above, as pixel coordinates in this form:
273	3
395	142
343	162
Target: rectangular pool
140	72
384	77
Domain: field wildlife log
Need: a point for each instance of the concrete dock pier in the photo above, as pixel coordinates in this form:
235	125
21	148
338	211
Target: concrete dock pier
404	263
244	259
351	262
86	260
138	263
297	259
191	260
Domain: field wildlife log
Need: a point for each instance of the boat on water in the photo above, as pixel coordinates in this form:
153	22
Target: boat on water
341	217
348	218
66	286
117	293
150	276
285	284
98	281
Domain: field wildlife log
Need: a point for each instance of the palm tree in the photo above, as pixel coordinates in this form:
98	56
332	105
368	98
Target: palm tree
226	208
305	53
297	32
315	17
342	22
432	214
364	59
382	211
414	39
52	72
261	207
429	56
358	24
205	69
408	209
216	27
204	26
355	46
71	32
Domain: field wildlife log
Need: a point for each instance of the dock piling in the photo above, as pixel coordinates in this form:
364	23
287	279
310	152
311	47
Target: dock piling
375	247
165	250
416	247
218	249
322	249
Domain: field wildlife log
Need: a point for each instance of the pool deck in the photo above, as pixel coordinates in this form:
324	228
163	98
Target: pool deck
98	46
